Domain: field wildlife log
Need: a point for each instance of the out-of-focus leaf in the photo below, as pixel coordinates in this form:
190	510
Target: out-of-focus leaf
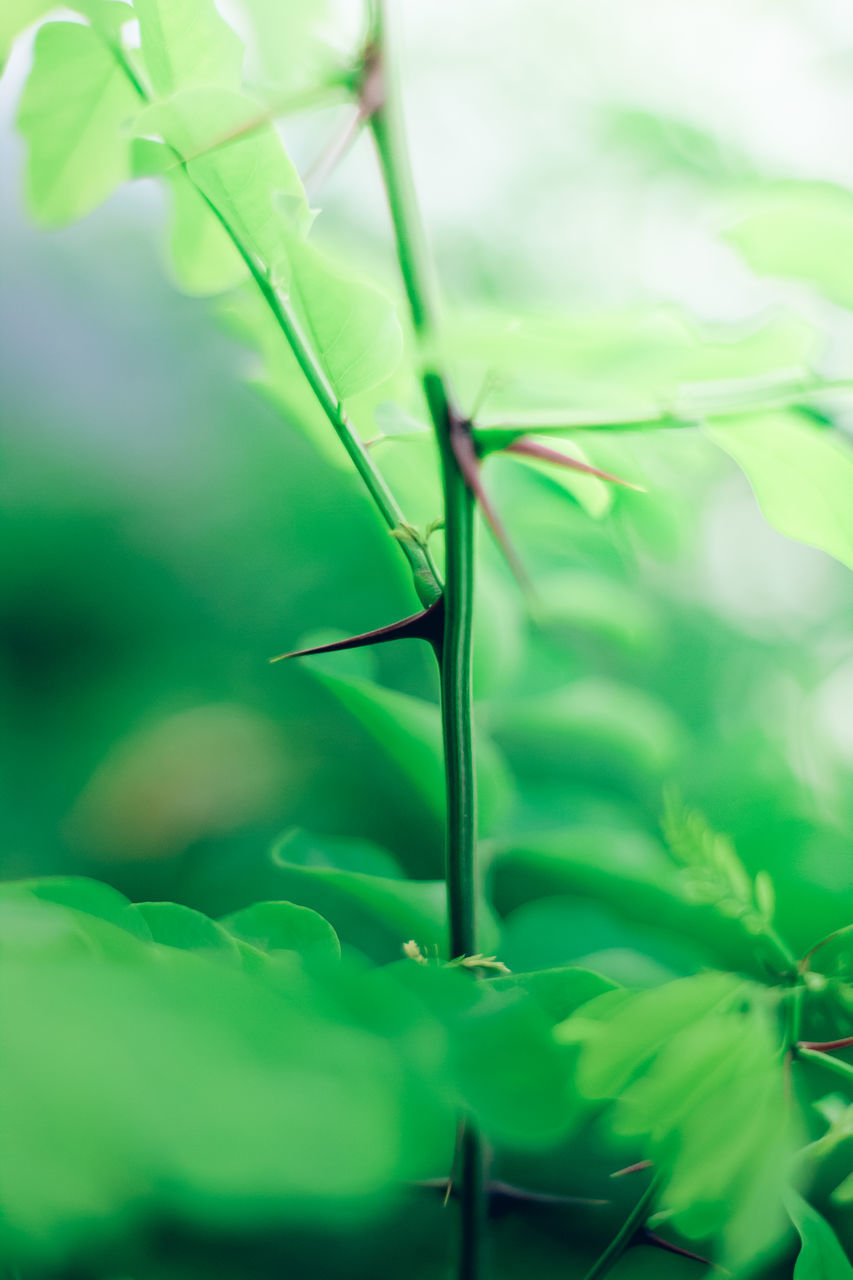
282	926
79	893
287	42
618	359
600	719
74	114
186	44
802	477
408	730
352	327
594	605
373	913
189	1085
694	1069
821	1256
802	230
393	421
173	925
621	1032
625	870
17	15
558	992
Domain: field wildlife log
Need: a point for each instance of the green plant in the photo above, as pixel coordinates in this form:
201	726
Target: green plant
693	1071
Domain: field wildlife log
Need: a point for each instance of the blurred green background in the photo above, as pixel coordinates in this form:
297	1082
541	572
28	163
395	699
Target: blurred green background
167	530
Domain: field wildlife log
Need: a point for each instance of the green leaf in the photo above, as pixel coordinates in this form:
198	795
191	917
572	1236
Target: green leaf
802	230
352	327
821	1256
173	925
74	115
282	926
36	928
188	1089
186	44
235	157
90	897
408	731
558	992
621	1032
802	477
374	913
609	724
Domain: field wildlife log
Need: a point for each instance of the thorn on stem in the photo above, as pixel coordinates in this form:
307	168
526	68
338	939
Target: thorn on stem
826	1046
632	1168
465	452
645	1236
541	453
427	625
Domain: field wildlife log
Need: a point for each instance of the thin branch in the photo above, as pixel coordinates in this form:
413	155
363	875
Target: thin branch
426	577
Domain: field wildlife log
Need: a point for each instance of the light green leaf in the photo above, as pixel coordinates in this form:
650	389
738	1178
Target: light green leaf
186	44
234	155
282	927
801	475
205	259
74	115
623	1034
802	230
352	327
821	1256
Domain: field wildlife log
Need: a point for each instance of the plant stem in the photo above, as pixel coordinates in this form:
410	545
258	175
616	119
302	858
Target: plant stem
455	663
424	572
625	1234
449	424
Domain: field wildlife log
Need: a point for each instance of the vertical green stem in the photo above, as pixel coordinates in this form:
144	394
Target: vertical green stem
455	662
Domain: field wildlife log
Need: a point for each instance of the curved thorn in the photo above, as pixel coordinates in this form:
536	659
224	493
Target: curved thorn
644	1236
541	452
426	625
469	464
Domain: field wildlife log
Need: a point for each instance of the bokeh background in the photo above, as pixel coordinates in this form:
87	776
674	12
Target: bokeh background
167	530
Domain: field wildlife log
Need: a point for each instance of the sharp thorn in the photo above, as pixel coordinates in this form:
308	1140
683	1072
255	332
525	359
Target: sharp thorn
426	625
469	464
644	1236
541	452
632	1168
